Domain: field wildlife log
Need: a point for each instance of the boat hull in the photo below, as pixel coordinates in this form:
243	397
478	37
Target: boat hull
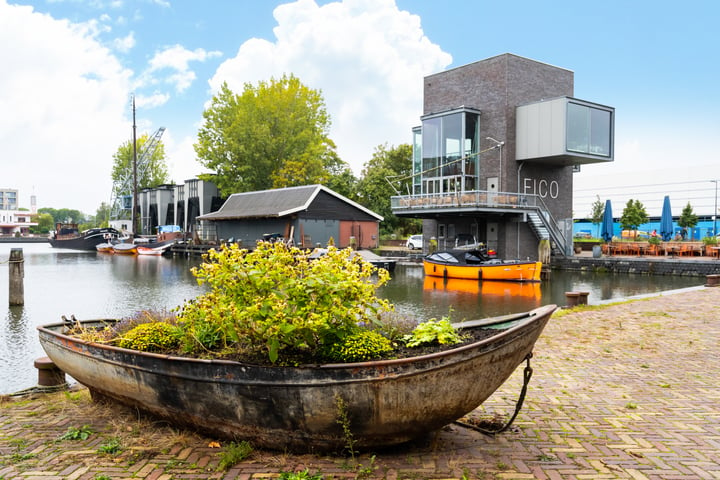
125	249
156	248
104	247
86	241
149	251
387	402
506	271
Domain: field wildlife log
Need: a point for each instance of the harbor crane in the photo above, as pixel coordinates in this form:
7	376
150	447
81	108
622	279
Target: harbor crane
121	202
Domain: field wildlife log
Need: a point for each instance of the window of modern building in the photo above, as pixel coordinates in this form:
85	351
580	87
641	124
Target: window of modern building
445	152
588	130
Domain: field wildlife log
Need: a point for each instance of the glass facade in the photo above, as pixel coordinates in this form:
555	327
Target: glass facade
445	153
588	130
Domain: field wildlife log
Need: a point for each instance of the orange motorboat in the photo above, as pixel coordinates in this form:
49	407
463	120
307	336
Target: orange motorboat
476	265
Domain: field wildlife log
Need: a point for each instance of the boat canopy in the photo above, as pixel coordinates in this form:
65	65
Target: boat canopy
468	257
168	228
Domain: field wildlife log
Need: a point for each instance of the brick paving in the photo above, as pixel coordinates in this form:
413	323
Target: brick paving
627	390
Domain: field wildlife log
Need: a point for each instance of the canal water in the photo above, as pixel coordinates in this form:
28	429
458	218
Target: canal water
91	285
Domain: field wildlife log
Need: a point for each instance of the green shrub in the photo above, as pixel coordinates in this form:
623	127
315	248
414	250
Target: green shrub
433	331
151	337
275	298
360	346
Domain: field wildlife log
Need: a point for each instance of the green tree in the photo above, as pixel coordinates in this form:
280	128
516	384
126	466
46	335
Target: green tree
102	215
633	215
272	135
597	211
342	180
374	189
687	219
155	172
45	223
64	215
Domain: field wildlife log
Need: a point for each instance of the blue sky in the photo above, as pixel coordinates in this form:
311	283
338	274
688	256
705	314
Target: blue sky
70	66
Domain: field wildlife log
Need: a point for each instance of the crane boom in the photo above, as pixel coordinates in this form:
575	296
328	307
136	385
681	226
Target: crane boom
123	187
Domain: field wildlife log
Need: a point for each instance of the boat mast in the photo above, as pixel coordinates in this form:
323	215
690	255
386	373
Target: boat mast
135	192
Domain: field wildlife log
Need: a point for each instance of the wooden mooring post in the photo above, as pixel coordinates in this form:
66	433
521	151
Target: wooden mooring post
17	274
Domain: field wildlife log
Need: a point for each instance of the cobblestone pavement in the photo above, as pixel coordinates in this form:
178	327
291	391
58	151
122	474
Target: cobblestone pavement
628	390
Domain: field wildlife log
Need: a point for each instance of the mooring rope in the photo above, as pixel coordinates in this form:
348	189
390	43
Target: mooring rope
527	374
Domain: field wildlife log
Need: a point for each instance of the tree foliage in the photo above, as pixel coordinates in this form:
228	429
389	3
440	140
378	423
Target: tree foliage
597	211
64	215
156	172
45	223
687	219
272	135
102	215
375	190
633	215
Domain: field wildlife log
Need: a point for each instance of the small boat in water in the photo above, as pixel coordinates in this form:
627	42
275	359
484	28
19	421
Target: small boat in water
125	249
155	249
477	265
387	402
105	247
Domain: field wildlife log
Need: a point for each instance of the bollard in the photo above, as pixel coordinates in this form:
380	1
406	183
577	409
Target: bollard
17	273
712	280
571	299
49	375
583	298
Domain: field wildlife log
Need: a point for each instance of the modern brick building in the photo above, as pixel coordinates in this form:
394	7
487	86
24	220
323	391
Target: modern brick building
495	155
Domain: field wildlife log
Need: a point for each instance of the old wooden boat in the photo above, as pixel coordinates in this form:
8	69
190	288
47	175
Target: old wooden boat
475	265
387	402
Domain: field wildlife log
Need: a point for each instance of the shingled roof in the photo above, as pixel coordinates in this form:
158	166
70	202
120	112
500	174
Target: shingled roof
275	203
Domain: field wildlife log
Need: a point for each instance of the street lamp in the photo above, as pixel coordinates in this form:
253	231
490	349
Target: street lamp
498	144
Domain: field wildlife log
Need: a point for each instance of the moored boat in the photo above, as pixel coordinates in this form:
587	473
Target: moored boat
387	402
125	249
155	248
105	247
68	235
476	265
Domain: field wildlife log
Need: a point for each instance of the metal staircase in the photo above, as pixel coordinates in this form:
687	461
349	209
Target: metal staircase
544	226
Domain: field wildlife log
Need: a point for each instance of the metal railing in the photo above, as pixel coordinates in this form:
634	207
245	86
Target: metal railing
483	199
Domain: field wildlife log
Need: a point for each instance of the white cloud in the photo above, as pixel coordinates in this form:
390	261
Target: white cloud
65	108
124	44
177	59
367	57
152	101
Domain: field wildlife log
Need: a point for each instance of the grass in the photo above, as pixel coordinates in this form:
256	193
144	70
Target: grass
234	453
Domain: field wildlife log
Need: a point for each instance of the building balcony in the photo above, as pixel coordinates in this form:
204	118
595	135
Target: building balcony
477	200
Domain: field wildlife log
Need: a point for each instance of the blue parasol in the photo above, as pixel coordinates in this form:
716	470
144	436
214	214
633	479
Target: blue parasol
608	225
666	221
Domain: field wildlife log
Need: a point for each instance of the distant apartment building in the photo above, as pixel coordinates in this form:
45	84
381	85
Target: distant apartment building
14	221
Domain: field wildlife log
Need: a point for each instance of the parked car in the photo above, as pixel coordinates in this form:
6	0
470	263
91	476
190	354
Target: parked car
415	241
